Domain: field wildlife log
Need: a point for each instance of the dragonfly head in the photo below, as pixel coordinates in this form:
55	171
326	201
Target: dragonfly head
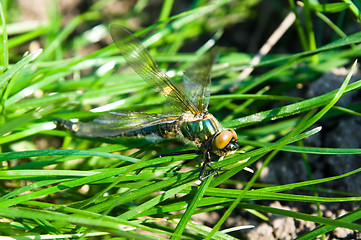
225	142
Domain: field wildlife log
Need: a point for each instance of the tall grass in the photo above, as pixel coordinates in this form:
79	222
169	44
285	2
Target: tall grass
57	185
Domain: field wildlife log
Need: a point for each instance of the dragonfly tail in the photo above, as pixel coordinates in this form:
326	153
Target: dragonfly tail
64	123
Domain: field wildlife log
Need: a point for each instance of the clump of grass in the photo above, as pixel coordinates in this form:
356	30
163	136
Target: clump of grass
61	186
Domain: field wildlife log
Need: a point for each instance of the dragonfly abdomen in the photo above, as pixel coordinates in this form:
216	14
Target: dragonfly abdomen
164	130
108	128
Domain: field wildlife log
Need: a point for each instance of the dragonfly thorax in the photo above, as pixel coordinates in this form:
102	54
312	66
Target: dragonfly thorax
206	133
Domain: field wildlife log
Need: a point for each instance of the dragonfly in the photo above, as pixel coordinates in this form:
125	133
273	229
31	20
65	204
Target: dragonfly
191	122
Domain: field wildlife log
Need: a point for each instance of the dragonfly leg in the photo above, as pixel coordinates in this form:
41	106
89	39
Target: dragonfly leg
201	177
205	165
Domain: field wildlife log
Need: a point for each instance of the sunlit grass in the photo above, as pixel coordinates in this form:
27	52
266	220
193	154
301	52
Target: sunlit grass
56	184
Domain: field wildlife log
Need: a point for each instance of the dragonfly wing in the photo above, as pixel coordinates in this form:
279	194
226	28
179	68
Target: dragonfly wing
197	80
143	64
120	123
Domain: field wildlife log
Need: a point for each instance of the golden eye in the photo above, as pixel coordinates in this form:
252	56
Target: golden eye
222	140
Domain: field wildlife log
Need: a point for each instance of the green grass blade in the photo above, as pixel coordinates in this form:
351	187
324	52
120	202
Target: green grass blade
151	203
354	9
288	110
5	77
182	224
55	152
4	41
349	217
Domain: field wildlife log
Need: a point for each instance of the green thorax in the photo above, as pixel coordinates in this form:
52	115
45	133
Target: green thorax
200	130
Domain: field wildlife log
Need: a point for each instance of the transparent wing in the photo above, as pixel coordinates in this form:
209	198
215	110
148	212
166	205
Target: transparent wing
120	123
197	80
143	64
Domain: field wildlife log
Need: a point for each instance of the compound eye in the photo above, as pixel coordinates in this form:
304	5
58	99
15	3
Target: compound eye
222	140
